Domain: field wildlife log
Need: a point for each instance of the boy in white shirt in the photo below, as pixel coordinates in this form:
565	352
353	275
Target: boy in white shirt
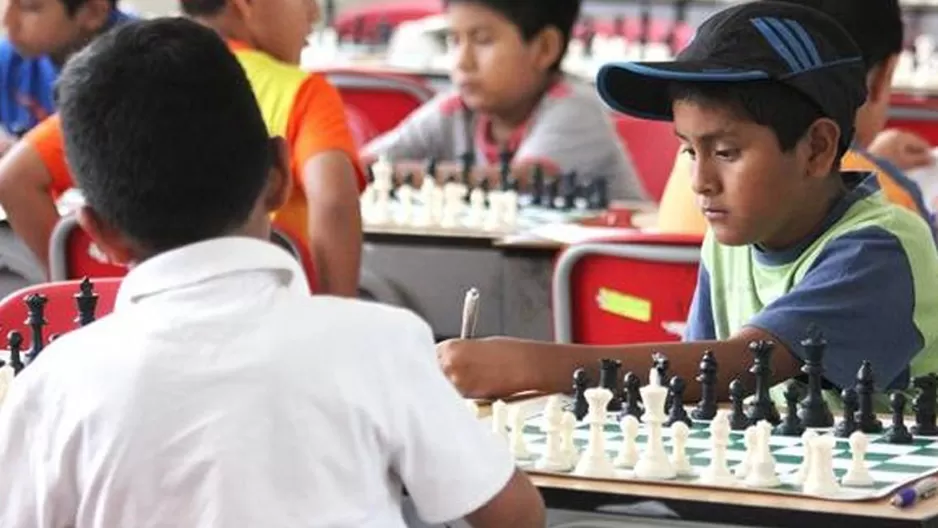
218	393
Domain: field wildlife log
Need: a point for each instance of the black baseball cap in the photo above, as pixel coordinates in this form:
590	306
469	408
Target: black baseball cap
763	40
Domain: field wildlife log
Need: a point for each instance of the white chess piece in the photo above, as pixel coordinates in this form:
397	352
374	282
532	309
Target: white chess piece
820	478
510	208
653	463
858	475
500	419
476	214
518	447
718	473
554	458
473	407
568	446
383	170
749	441
628	452
802	472
493	217
595	462
424	216
762	472
452	204
6	378
405	197
437	204
679	434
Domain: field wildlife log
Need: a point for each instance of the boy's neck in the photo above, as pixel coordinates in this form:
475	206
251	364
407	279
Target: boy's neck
504	123
810	220
226	26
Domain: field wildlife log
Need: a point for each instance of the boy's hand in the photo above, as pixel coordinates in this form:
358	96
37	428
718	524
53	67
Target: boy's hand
903	149
485	368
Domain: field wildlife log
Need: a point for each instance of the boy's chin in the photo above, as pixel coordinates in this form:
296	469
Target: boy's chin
731	237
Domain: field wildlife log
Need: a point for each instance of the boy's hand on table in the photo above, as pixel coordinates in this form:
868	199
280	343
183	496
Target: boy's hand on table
485	368
903	149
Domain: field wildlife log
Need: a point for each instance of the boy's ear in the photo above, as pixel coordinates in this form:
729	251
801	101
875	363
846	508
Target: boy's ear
879	79
823	139
278	187
92	16
113	244
548	45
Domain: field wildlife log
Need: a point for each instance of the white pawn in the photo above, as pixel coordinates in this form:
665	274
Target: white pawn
628	453
452	204
749	440
595	462
554	458
858	475
510	208
6	378
500	419
679	434
427	195
820	479
405	196
518	447
476	208
717	472
802	472
493	217
383	170
567	444
762	472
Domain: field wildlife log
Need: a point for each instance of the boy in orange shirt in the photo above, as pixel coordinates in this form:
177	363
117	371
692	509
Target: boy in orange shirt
267	38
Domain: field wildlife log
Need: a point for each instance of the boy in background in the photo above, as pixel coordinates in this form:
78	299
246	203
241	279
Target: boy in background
323	209
207	398
764	100
876	26
510	94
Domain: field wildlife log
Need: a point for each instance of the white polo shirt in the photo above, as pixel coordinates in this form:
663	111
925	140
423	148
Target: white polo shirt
220	394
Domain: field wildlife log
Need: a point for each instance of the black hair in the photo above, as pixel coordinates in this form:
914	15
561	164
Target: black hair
163	133
72	5
875	25
533	16
202	7
784	110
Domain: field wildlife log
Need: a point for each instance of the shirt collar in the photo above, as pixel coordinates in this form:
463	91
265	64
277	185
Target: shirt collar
208	260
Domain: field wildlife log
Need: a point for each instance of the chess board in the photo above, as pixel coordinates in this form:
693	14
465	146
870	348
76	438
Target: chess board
892	466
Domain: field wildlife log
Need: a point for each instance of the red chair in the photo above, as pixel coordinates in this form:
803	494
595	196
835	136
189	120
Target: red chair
381	99
636	288
60	310
653	147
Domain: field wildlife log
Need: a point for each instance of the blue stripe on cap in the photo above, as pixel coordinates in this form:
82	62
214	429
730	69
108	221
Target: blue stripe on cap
793	43
805	39
777	44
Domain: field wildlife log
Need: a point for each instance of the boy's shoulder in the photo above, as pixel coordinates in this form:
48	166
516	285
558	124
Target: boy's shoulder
568	98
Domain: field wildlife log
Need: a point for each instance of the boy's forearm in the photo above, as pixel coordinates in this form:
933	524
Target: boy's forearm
33	215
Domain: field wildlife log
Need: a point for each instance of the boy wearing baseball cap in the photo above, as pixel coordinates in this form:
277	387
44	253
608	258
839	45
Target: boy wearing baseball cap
764	98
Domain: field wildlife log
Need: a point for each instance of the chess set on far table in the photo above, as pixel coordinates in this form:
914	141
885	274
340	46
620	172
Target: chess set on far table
636	434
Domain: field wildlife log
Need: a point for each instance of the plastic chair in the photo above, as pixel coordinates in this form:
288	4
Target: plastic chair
636	288
653	147
382	99
60	310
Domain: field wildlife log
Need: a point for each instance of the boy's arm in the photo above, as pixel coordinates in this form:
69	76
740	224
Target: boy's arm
31	174
450	463
419	135
325	159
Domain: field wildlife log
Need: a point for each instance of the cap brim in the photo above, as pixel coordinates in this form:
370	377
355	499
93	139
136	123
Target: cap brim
642	89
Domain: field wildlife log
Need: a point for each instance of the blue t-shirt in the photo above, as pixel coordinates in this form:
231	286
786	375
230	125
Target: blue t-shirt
27	85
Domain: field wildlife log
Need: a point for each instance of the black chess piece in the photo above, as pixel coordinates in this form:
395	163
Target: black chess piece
632	398
551	193
866	416
762	407
661	363
848	424
580	384
677	413
431	168
15	344
924	405
537	186
86	300
369	175
384	31
504	171
738	419
569	191
599	194
36	308
707	377
609	379
897	433
814	411
791	425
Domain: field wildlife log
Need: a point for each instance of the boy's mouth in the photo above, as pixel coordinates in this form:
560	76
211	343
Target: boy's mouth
714	213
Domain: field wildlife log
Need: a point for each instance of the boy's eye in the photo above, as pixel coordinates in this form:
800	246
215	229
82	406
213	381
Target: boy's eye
728	154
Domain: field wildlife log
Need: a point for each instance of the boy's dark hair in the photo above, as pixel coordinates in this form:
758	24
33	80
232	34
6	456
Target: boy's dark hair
533	16
72	5
202	7
875	25
780	108
163	133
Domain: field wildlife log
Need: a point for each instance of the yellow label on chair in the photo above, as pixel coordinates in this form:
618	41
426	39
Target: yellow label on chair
624	305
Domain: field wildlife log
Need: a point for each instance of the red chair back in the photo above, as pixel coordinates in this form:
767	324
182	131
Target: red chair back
379	100
634	289
653	147
60	310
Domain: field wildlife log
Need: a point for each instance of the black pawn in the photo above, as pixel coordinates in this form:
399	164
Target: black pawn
580	384
599	194
897	433
36	308
551	193
632	398
707	377
924	405
762	406
814	411
86	300
431	169
866	416
15	344
848	424
537	186
569	191
791	425
504	170
609	379
677	413
738	419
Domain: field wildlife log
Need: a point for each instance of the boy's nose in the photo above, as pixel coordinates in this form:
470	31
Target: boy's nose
704	180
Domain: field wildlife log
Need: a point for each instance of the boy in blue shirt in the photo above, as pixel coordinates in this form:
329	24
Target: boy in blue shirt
41	35
764	99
